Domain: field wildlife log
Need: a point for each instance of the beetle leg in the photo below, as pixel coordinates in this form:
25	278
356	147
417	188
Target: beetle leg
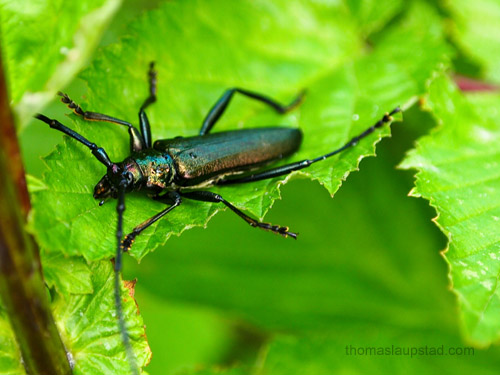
208	196
97	151
288	168
221	105
129	238
136	140
143	118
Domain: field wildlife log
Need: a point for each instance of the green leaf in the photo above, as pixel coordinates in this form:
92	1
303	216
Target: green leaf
45	44
458	173
474	28
366	272
88	326
10	355
417	43
277	48
372	15
67	274
355	265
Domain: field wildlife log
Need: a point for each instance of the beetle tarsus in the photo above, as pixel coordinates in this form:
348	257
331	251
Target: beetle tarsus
173	198
208	196
283	231
71	104
143	118
152	81
128	241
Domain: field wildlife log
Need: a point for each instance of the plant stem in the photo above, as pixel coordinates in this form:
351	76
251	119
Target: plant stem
22	287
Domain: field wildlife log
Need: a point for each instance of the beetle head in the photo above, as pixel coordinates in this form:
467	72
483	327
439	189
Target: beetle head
125	175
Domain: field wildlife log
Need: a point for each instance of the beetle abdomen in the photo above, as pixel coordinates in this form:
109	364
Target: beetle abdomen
202	158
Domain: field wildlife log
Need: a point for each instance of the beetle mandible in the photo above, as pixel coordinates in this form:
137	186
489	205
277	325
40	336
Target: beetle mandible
172	169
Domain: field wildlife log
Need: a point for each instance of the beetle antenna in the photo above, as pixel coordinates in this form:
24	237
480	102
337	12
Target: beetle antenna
354	141
120	208
286	169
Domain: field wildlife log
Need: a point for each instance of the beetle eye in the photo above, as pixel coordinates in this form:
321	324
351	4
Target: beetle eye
130	177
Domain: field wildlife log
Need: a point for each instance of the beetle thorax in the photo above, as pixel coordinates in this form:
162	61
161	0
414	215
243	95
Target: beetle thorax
156	168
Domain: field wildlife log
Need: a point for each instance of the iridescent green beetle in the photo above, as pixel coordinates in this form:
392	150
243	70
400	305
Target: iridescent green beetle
172	169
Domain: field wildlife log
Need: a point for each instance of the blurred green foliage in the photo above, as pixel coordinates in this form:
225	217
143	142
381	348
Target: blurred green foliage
45	44
366	270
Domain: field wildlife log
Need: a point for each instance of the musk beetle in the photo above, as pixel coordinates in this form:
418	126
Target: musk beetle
171	170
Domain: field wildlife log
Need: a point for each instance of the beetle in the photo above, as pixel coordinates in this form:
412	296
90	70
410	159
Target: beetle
170	170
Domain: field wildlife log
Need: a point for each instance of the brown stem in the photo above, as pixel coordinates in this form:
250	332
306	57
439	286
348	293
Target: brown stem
21	283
